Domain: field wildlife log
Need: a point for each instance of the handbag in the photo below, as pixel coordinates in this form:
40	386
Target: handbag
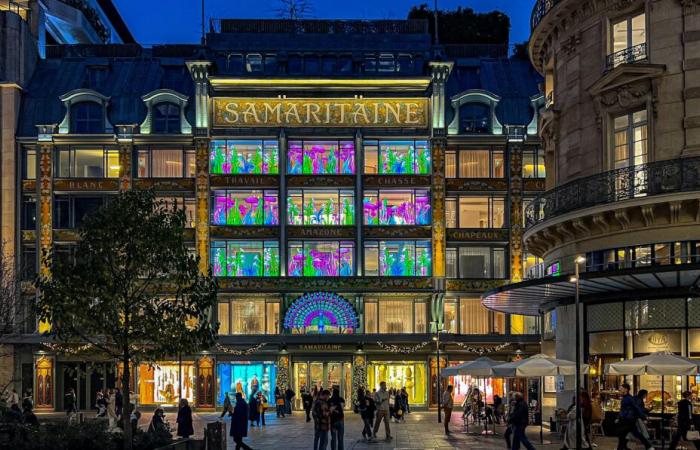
693	435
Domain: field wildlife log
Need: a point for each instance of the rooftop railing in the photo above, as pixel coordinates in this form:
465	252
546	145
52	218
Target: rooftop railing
644	180
414	26
542	7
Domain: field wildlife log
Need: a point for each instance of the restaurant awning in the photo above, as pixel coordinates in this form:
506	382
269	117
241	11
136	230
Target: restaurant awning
533	296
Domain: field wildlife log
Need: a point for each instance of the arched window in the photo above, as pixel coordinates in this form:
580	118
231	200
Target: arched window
166	118
87	118
475	118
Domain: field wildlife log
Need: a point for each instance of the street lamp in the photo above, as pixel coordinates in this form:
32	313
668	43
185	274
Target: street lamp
576	279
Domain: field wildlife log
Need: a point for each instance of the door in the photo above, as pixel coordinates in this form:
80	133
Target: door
44	383
322	375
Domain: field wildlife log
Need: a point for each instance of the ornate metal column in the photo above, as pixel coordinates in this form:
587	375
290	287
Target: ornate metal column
515	152
202	202
125	138
438	198
282	158
45	194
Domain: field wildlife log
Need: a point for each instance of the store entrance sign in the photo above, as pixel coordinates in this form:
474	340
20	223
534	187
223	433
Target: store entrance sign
233	112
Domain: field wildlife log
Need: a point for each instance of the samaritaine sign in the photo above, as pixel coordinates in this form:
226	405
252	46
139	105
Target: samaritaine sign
325	112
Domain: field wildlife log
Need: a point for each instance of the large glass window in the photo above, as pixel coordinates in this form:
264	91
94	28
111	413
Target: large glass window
28	212
245	207
397	157
320	259
87	118
70	211
398	258
475	262
87	163
166	163
395	316
474	212
249	316
524	324
533	163
320	207
666	253
186	204
29	165
474	164
630	139
321	157
393	207
245	258
166	118
235	157
629	37
475	318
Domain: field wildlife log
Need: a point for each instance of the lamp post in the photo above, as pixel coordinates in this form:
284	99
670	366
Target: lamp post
579	260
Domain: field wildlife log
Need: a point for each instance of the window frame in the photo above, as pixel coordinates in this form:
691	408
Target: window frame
536	154
88	106
264	244
454	250
379	193
265	309
381	243
72	219
302	243
263	193
169	123
189	157
72	161
493	153
491	205
302	193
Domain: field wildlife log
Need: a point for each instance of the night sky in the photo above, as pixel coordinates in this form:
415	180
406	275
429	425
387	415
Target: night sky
178	21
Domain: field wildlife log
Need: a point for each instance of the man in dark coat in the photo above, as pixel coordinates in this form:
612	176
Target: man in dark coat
253	412
185	428
684	420
308	400
519	419
239	422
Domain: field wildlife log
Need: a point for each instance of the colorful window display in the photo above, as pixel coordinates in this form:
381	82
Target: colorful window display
321	259
246	378
487	386
245	258
249	207
160	383
321	158
321	313
316	207
410	207
398	258
244	157
398	375
397	157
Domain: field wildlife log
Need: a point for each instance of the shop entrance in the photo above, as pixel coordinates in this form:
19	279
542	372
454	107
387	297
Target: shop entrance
324	375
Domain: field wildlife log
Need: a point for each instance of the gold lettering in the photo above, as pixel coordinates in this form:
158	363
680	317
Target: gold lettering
231	111
342	107
250	111
360	109
292	111
391	111
316	108
412	114
328	114
277	109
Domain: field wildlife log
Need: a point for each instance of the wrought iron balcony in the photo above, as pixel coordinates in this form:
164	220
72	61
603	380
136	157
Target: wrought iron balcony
644	180
542	7
627	56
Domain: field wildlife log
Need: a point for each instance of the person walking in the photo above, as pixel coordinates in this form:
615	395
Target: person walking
586	413
366	408
253	411
381	400
447	406
227	406
307	401
239	422
497	408
184	419
684	420
337	406
519	420
261	401
118	402
322	420
279	402
289	395
630	414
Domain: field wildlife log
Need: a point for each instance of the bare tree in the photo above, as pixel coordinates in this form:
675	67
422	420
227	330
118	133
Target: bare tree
294	9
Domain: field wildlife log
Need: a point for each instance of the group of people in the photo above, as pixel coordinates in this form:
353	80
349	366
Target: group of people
109	403
19	411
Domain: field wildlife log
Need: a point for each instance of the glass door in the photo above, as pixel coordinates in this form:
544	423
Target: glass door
322	375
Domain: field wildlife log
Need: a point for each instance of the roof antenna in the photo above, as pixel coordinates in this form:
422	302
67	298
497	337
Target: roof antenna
204	36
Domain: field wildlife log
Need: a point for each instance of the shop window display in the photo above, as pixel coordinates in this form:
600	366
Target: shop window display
243	157
316	207
246	378
245	259
320	259
321	158
397	375
397	207
245	208
397	157
487	386
398	258
159	384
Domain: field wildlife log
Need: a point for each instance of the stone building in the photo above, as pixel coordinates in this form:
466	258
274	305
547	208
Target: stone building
621	132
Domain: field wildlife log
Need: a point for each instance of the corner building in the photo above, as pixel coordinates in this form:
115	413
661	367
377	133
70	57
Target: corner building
353	188
621	136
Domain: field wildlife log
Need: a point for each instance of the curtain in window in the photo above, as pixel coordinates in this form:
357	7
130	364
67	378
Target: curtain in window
474	262
474	164
224	316
396	316
474	318
370	317
166	163
248	317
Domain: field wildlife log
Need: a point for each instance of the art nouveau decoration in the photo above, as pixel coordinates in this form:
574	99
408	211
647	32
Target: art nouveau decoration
321	313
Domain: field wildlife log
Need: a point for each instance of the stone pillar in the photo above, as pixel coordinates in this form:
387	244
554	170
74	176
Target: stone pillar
126	152
202	202
199	71
438	197
45	212
515	152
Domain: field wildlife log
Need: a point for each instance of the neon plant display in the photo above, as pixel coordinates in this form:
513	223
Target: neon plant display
397	157
398	258
321	313
411	207
320	207
320	259
245	259
321	158
253	207
250	157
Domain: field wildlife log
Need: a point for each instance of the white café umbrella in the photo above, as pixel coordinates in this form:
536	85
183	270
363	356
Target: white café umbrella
659	363
536	366
481	367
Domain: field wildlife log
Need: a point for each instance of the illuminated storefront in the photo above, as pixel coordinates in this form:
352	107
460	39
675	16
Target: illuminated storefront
245	377
160	384
400	374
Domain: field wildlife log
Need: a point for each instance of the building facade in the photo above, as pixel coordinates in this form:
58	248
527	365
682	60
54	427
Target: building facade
353	188
622	141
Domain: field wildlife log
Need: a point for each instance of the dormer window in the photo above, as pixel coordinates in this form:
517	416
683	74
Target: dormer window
87	118
475	118
166	118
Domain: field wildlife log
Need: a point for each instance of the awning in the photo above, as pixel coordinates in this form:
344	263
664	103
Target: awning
532	296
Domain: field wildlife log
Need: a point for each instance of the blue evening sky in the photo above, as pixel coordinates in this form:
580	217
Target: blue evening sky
179	21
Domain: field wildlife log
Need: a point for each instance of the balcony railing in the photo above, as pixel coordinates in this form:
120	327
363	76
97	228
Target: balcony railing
656	178
542	7
627	56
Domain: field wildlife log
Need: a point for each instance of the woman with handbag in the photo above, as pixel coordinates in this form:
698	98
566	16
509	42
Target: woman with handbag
279	402
685	422
262	407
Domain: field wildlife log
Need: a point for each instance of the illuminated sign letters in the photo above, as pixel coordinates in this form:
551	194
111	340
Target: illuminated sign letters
324	112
